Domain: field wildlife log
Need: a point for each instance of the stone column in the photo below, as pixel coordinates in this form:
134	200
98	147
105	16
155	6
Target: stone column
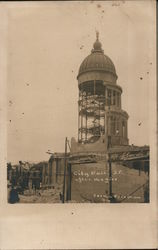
120	99
106	96
112	97
114	125
54	171
109	124
120	126
50	172
105	119
81	117
126	129
117	100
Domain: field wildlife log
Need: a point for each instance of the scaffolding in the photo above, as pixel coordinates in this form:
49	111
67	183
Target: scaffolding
99	109
91	111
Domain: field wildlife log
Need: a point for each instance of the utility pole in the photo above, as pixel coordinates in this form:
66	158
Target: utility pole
110	177
110	165
65	163
108	133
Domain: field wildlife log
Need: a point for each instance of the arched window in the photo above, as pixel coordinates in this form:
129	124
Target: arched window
123	128
113	125
117	126
117	100
114	97
109	97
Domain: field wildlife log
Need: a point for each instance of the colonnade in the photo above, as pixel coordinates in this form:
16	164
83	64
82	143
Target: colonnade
113	97
93	100
117	126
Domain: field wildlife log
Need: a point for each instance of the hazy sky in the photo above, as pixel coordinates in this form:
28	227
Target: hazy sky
44	55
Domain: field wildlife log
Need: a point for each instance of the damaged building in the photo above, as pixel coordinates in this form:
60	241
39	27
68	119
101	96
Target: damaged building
101	164
100	112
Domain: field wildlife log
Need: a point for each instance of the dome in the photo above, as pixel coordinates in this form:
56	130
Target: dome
97	61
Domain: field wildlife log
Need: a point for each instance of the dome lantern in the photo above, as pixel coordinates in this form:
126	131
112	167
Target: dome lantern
97	46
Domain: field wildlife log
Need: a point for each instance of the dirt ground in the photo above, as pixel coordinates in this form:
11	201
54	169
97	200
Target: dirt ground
42	196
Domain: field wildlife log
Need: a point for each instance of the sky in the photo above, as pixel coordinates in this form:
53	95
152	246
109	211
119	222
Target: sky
47	42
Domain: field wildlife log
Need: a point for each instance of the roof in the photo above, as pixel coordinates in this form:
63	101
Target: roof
97	61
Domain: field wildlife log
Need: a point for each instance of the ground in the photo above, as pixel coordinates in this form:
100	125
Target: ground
42	196
90	183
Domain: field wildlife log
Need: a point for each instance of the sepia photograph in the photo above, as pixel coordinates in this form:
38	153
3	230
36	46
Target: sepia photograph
78	102
78	125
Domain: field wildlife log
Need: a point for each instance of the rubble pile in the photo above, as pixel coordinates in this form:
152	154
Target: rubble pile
42	196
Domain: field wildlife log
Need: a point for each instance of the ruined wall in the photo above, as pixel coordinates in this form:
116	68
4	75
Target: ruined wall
90	183
98	146
53	172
